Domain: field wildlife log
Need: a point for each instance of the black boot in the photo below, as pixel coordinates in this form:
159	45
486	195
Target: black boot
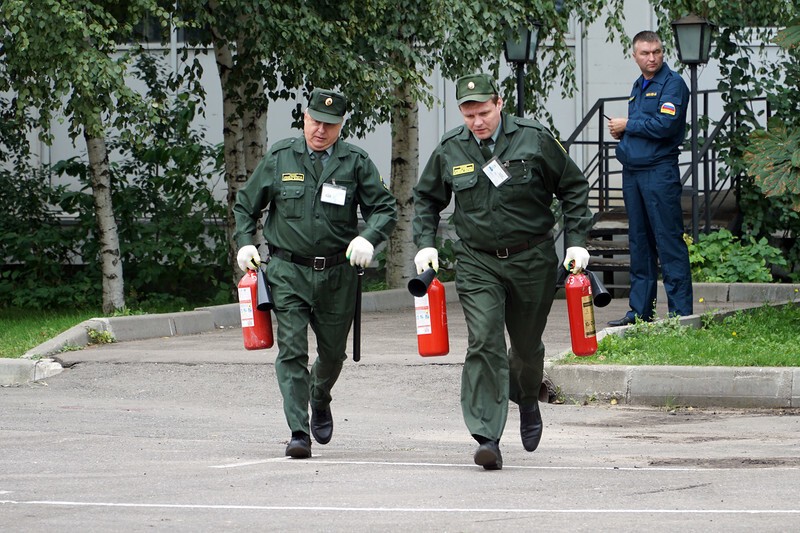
300	446
530	426
321	424
488	455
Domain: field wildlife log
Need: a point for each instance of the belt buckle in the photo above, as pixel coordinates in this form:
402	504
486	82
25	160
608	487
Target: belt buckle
319	263
502	254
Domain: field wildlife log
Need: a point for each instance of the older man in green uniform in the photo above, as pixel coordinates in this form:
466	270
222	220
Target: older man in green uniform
312	187
504	172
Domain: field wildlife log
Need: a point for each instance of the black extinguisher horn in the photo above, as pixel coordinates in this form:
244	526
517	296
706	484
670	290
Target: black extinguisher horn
601	297
264	295
419	286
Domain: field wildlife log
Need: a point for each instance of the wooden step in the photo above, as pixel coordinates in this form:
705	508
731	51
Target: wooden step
608	247
609	264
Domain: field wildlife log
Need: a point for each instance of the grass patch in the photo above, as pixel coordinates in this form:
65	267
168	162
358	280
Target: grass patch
764	336
23	329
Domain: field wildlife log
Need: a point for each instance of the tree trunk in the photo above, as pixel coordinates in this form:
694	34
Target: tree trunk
254	123
255	130
234	155
107	235
405	169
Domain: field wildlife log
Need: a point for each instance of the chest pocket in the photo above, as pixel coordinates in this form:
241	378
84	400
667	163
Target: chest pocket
518	186
342	213
467	194
291	201
650	103
520	173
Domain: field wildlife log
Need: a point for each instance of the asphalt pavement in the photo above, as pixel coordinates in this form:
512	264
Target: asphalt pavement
176	427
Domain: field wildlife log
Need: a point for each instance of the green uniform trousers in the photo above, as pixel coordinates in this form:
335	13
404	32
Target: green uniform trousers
516	294
325	299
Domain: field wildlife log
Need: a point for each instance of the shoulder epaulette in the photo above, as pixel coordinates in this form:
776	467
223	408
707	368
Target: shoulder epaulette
357	150
528	123
452	133
282	145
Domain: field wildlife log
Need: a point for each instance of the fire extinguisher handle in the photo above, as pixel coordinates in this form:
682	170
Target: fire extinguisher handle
357	318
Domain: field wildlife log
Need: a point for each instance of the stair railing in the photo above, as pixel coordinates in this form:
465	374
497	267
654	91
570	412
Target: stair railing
599	169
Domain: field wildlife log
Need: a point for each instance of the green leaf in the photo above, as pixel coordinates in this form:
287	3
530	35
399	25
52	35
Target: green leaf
788	37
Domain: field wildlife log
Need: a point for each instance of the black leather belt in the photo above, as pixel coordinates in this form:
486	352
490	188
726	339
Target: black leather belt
503	253
317	263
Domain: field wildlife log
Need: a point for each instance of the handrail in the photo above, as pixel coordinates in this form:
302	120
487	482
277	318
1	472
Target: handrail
598	168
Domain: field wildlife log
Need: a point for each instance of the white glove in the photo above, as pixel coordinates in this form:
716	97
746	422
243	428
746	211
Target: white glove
425	257
360	252
579	255
248	258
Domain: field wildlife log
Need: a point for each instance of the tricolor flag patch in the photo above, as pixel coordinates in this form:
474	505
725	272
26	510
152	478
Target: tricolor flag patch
668	108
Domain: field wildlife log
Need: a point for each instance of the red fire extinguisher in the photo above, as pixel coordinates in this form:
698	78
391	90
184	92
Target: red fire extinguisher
430	306
581	314
256	324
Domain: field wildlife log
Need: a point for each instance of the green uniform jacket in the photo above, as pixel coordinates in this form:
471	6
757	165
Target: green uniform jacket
298	220
489	217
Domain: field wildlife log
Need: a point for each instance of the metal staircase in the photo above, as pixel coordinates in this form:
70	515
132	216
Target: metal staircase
716	200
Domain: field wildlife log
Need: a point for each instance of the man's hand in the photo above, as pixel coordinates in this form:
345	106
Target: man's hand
616	126
426	257
579	257
360	252
248	258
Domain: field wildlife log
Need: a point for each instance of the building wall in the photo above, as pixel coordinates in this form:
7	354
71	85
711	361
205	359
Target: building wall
604	69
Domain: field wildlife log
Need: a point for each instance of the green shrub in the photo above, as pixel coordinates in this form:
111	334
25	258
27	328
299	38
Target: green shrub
720	257
172	236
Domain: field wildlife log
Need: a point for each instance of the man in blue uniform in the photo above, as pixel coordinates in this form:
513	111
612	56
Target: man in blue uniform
650	140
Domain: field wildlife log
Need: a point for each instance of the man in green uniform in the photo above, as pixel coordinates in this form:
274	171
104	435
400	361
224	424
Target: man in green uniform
312	186
504	172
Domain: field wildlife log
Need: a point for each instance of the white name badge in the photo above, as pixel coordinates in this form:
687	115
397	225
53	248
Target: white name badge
333	194
496	171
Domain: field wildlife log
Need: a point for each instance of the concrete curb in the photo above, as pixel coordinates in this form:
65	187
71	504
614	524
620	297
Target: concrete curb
32	367
753	387
735	387
22	371
678	385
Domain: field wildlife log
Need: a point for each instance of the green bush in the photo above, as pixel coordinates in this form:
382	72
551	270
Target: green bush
171	229
721	257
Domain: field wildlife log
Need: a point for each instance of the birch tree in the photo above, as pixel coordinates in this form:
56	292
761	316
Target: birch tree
60	58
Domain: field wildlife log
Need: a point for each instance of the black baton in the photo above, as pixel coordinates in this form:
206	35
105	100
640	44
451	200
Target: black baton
357	318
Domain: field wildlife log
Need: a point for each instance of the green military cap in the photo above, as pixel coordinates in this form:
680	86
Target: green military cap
327	106
475	88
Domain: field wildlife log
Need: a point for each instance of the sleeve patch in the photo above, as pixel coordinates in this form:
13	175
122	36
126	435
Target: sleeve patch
668	108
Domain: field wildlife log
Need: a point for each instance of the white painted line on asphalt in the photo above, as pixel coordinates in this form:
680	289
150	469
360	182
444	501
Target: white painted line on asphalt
313	461
399	509
251	463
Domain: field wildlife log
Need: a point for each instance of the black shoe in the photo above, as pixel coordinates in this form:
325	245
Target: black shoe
300	446
321	424
624	321
488	456
530	426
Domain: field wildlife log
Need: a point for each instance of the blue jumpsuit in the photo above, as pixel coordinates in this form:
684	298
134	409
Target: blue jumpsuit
651	190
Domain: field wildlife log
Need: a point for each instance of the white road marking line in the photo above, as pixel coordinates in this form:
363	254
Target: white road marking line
251	463
314	461
401	509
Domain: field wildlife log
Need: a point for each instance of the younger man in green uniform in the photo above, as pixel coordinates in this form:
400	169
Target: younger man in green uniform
504	172
312	186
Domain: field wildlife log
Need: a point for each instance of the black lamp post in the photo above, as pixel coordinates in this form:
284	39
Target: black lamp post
520	48
693	39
